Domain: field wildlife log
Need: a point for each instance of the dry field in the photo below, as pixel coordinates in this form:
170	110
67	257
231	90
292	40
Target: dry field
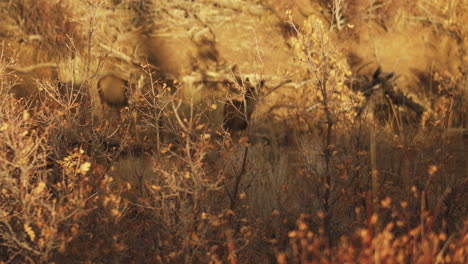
233	131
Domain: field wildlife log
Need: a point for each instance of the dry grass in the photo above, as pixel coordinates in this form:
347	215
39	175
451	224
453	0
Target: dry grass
318	176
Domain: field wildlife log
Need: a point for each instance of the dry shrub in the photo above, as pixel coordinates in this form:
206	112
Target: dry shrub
33	222
46	198
183	188
364	246
184	192
327	72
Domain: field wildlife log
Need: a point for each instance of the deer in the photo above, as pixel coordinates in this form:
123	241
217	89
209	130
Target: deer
26	85
113	90
237	113
387	103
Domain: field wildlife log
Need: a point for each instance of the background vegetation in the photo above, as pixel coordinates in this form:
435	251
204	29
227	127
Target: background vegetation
353	151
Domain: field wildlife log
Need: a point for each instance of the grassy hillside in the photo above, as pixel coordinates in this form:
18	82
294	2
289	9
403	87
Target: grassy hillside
240	131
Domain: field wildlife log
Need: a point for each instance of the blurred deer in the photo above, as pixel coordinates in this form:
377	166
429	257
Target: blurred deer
28	78
113	90
237	113
380	80
389	104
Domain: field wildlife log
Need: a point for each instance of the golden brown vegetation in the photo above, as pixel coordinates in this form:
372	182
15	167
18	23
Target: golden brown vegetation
347	146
